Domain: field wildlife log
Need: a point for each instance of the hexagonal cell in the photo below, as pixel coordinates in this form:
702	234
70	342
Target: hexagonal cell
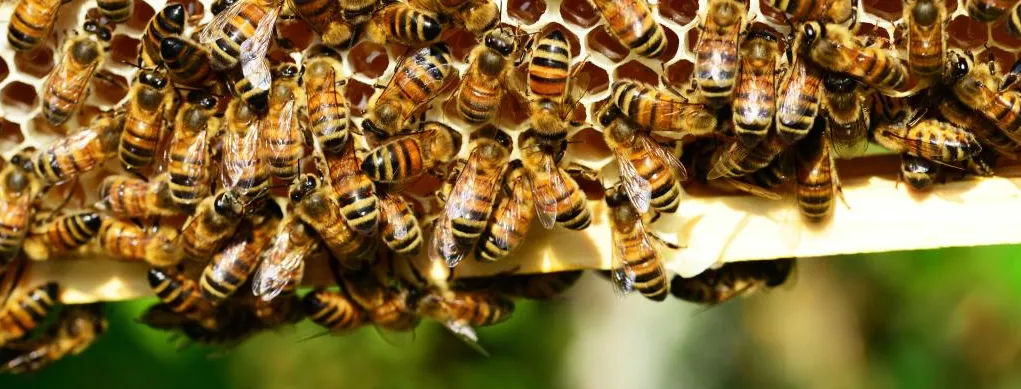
513	110
869	30
889	10
692	39
19	96
579	13
673	43
369	59
4	70
573	39
36	63
588	145
601	41
461	44
598	80
951	6
1003	37
124	49
679	73
593	188
680	11
774	15
10	135
358	95
526	11
966	32
1004	59
294	34
109	88
141	15
635	70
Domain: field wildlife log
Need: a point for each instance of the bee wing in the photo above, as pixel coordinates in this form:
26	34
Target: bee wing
545	201
254	65
622	275
721	160
751	189
464	189
639	190
666	156
390	206
851	142
208	34
442	246
467	334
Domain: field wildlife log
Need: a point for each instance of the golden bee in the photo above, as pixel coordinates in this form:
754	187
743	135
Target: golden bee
405	158
833	11
716	53
24	312
930	139
128	197
231	266
975	86
123	239
927	37
116	11
716	286
816	176
18	191
67	86
80	152
632	23
919	173
169	22
181	295
62	234
470	201
355	193
77	328
464	311
551	88
799	95
512	216
282	263
476	16
189	155
636	262
148	99
328	112
755	91
660	110
417	80
387	308
31	23
333	310
321	18
736	160
284	144
241	35
650	174
215	220
847	120
242	166
836	49
187	62
405	24
988	135
988	11
163	249
399	228
316	204
482	88
556	195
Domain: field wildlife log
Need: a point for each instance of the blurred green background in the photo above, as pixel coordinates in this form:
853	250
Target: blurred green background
927	319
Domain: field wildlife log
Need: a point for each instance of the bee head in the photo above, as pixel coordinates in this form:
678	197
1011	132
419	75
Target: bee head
810	32
229	204
100	31
500	41
958	67
287	70
615	197
838	82
608	114
23	160
387	115
175	13
152	78
303	186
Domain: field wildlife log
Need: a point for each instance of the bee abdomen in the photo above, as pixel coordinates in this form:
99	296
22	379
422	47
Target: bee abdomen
332	310
73	231
117	11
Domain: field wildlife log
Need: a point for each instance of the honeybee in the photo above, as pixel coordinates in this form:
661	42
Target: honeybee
215	220
282	263
544	286
636	263
482	88
328	113
399	228
835	48
80	152
930	139
975	87
927	43
632	23
405	158
284	145
716	53
551	84
357	12
755	92
736	160
512	217
985	131
404	24
716	286
181	295
188	153
127	196
649	173
359	205
556	196
465	311
31	22
317	205
321	17
231	266
241	34
24	312
832	11
469	201
143	123
660	110
77	328
816	175
169	22
387	308
416	81
1014	23
162	248
18	191
918	172
800	92
187	62
988	11
62	234
67	86
116	11
244	171
123	239
332	310
846	117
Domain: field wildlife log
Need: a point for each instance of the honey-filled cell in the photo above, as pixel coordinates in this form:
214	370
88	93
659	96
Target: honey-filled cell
596	78
680	11
886	9
461	44
109	88
37	63
4	70
634	70
1003	37
679	73
124	49
369	59
579	13
588	145
294	34
358	95
526	11
19	96
10	135
600	41
143	12
672	45
966	33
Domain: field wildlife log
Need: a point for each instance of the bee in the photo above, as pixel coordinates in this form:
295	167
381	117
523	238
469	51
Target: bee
328	112
332	310
284	147
550	86
927	43
245	172
544	286
23	313
988	11
836	49
556	196
128	197
359	205
399	228
405	158
188	155
636	263
404	24
181	295
167	23
31	22
469	201
63	234
77	328
816	177
116	11
148	99
918	172
736	160
241	35
846	117
317	205
930	139
716	286
187	62
18	191
800	92
755	91
243	88
985	131
215	220
465	311
321	17
231	266
716	53
67	86
416	81
512	217
162	248
123	239
974	86
387	308
357	12
660	110
283	261
475	16
80	152
1014	24
650	173
632	23
482	88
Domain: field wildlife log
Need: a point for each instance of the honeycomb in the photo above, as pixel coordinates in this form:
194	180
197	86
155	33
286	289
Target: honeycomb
715	227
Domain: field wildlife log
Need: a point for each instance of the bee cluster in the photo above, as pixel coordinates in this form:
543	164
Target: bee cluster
246	146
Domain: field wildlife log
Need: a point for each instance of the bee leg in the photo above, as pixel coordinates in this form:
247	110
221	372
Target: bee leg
582	171
668	244
1011	78
70	193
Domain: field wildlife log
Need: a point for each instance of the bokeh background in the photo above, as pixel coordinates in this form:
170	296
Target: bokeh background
927	319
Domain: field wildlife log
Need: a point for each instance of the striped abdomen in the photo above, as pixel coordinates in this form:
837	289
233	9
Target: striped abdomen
878	68
180	294
471	220
117	11
77	153
632	23
422	75
400	229
284	146
15	218
926	42
332	310
799	101
24	313
1005	111
480	309
356	195
666	191
479	96
167	23
187	63
652	108
327	106
550	67
71	231
736	161
541	286
508	225
142	127
801	10
231	266
408	25
188	167
31	23
245	172
815	185
226	44
973	122
716	53
398	161
123	239
754	99
208	228
650	277
66	87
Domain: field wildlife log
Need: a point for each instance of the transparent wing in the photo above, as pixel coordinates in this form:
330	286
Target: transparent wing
254	65
751	189
666	156
464	189
851	141
546	200
467	334
392	207
638	189
442	246
622	275
220	21
725	158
